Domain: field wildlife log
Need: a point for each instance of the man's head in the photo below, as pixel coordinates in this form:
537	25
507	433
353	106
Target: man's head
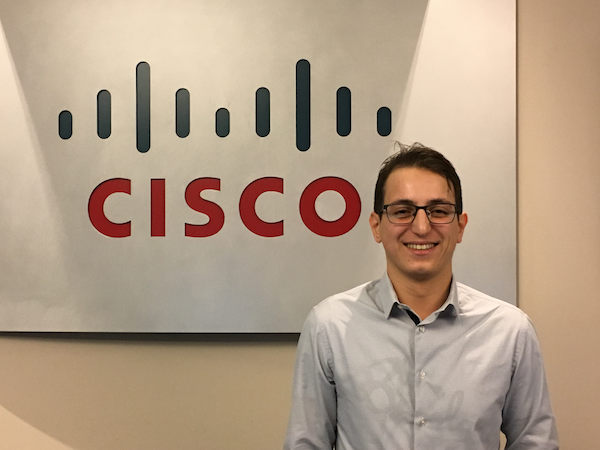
418	244
421	157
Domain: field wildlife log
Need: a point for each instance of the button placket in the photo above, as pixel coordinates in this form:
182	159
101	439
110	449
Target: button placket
422	373
420	385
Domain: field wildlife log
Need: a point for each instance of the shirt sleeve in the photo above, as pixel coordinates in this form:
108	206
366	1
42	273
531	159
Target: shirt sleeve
527	418
312	422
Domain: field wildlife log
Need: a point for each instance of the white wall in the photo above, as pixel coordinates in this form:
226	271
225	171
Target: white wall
559	162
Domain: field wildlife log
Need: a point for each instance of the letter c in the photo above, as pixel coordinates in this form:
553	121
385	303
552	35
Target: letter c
96	208
248	207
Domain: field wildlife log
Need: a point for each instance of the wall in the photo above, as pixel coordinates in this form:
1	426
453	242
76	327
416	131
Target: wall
559	199
65	393
58	394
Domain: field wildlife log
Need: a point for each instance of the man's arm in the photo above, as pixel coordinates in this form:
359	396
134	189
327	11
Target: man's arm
312	423
527	418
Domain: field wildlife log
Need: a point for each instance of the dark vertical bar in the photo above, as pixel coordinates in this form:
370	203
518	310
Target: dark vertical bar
182	113
222	122
344	109
142	92
303	105
263	112
103	108
384	121
65	124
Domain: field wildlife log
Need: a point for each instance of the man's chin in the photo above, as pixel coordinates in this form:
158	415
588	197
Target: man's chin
418	271
422	273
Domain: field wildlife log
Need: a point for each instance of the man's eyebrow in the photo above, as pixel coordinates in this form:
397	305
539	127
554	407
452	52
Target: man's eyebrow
433	201
403	201
436	201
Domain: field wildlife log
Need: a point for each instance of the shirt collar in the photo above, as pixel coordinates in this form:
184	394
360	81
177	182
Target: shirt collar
387	298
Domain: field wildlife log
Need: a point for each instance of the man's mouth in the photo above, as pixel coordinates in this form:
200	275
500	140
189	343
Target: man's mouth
420	246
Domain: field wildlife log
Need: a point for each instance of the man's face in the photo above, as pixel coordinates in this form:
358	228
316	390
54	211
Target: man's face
420	251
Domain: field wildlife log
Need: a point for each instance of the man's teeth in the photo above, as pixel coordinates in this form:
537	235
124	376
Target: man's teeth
420	246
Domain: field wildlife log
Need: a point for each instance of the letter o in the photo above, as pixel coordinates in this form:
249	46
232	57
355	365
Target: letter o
326	228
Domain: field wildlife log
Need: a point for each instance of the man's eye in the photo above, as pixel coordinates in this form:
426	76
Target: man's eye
402	211
440	211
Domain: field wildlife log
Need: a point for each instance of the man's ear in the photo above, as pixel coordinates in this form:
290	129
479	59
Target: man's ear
462	223
374	222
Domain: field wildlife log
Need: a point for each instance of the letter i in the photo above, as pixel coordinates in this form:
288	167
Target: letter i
157	207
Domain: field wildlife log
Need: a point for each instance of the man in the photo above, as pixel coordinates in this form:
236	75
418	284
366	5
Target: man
416	360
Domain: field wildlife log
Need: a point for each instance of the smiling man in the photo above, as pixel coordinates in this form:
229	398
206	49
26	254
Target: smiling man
416	360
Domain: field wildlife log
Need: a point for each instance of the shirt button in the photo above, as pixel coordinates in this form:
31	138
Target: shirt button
422	329
422	422
422	375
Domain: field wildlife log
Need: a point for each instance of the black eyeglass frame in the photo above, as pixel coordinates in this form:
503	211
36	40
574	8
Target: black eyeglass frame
417	208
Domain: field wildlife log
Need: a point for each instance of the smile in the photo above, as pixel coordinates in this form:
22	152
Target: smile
420	246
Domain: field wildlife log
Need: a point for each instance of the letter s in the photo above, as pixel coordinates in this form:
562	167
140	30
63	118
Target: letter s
216	216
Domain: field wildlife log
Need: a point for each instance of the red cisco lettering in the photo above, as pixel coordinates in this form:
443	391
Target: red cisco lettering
216	216
326	228
96	208
248	207
157	207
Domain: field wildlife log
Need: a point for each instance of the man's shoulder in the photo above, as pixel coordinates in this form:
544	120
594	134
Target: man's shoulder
346	302
474	302
350	296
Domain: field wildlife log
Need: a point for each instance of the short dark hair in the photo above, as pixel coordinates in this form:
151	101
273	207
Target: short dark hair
421	157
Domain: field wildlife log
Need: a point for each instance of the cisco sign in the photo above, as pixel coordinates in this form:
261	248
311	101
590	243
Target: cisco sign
193	199
216	216
209	165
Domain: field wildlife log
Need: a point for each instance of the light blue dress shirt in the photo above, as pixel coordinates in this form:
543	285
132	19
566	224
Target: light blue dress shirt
367	377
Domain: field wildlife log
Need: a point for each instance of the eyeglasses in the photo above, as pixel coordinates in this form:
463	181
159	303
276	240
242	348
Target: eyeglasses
403	214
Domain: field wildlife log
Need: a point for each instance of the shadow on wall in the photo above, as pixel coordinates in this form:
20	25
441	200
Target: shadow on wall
126	392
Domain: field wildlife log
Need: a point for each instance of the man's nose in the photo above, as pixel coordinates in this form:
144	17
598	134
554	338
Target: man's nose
421	223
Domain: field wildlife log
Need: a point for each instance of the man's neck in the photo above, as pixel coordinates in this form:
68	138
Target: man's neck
422	296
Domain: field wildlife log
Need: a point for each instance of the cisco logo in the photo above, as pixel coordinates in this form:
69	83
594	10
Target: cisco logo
222	116
249	196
